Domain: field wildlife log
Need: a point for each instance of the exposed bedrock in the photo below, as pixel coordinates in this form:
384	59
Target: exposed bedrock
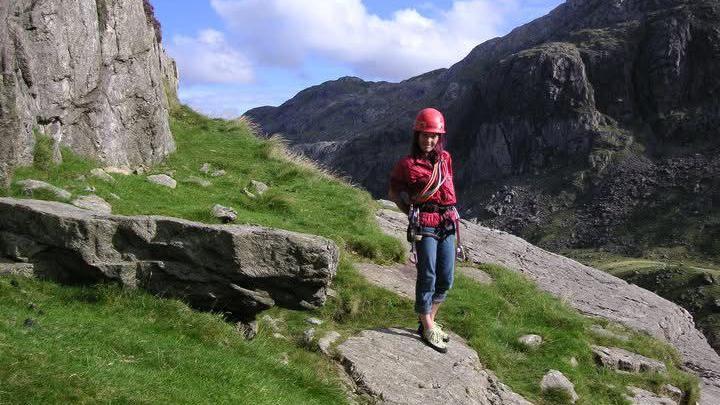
90	75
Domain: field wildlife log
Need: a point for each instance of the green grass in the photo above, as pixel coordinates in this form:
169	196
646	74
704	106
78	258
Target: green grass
102	344
513	306
43	153
105	344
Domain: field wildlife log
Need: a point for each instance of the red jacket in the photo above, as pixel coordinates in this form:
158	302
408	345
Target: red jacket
411	174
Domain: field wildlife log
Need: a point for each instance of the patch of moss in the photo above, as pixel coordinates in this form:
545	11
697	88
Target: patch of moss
43	154
101	7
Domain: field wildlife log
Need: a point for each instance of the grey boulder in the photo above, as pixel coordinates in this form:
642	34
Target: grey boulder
225	214
238	269
102	175
644	397
93	203
555	380
530	341
162	180
8	268
326	342
259	186
30	186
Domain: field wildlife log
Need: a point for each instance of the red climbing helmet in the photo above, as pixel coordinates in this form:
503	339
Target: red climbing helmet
430	120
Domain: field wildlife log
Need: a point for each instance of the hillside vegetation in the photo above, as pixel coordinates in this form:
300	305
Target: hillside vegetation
105	344
692	284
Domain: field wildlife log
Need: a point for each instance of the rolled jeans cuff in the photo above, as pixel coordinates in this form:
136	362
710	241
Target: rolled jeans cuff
439	298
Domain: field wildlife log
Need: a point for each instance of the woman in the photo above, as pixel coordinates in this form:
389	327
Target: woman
421	185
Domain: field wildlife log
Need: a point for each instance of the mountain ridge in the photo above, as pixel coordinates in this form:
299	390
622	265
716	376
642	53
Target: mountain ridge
594	96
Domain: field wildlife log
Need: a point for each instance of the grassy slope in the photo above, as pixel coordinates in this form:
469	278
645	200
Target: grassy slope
299	198
102	343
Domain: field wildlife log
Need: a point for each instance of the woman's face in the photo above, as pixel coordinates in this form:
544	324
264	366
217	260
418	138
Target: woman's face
427	141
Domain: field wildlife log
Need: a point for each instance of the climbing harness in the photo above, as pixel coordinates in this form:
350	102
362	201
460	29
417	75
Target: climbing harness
450	223
414	233
460	249
450	216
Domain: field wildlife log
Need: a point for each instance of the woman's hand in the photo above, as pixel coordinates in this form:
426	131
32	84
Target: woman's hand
402	200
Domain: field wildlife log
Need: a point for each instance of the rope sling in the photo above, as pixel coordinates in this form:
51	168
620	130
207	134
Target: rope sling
414	231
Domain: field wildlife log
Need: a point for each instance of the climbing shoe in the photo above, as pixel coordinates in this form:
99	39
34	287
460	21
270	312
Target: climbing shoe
444	335
432	337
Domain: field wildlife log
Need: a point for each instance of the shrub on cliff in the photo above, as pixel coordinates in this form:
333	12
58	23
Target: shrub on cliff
152	20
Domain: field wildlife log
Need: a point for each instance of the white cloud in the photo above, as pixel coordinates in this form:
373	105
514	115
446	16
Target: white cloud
209	58
230	101
286	32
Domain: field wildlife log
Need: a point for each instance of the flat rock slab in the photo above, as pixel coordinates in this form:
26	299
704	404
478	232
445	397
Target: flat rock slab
590	291
395	366
16	269
399	279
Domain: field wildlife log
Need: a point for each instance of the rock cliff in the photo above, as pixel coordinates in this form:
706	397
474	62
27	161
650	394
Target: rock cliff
570	130
89	74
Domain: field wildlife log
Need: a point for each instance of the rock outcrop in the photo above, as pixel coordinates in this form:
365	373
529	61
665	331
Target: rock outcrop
621	359
589	117
239	269
90	75
592	292
645	397
395	366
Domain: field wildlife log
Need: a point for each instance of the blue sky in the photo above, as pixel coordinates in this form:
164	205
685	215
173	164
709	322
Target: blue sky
234	55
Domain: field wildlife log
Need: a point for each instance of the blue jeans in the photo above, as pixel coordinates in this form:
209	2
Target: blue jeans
435	268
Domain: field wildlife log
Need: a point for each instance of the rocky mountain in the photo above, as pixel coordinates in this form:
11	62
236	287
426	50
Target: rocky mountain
593	126
89	74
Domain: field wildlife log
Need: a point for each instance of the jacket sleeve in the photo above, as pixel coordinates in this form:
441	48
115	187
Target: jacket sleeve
449	196
399	185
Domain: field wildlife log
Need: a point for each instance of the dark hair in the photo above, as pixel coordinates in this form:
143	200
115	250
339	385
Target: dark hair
417	152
